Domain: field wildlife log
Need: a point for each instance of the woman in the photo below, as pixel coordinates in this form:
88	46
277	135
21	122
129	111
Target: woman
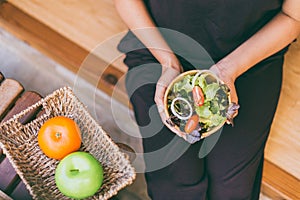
247	41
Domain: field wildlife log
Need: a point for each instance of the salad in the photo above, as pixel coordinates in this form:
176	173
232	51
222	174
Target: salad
197	102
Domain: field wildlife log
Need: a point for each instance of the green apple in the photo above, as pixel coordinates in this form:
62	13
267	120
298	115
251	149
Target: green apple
79	175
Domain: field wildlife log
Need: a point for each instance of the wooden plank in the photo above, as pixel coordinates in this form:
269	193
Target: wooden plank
8	175
279	183
41	36
9	92
21	192
4	196
10	182
86	24
272	193
62	49
283	146
27	99
95	71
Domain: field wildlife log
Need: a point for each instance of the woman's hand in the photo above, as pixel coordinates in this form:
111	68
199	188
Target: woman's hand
146	31
277	34
168	74
228	78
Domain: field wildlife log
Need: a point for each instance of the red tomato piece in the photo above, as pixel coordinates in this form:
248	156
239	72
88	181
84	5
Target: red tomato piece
191	124
198	96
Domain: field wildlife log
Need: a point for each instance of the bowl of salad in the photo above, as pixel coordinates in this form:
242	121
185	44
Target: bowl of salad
197	100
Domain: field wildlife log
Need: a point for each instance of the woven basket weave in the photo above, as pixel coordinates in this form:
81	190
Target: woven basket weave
20	145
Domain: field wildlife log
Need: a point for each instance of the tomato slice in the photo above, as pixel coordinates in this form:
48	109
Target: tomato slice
191	124
198	96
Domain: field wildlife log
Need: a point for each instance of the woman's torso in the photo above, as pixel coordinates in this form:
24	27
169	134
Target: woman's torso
218	25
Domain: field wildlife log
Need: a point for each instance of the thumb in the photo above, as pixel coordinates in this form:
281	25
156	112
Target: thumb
233	93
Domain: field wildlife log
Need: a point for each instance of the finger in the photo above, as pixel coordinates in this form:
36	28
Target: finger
178	132
233	94
167	75
159	93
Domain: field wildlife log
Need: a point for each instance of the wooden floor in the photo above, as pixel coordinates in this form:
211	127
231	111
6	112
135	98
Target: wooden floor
71	29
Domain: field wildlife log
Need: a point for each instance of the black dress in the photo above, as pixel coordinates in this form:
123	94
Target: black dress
233	168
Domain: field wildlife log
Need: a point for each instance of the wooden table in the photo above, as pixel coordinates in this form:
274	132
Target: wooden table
70	37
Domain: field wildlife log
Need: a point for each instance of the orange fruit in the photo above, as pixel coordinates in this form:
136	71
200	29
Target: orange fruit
59	136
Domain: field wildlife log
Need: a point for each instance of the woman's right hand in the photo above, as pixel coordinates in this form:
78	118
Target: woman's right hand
167	76
146	31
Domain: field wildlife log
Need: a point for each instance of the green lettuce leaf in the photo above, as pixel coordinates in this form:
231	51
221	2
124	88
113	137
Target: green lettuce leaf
210	91
184	84
214	106
217	119
201	81
203	111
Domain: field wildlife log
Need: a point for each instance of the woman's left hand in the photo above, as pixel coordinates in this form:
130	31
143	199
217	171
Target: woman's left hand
229	80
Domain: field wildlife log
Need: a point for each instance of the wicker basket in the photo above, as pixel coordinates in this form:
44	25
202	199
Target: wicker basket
179	78
20	145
